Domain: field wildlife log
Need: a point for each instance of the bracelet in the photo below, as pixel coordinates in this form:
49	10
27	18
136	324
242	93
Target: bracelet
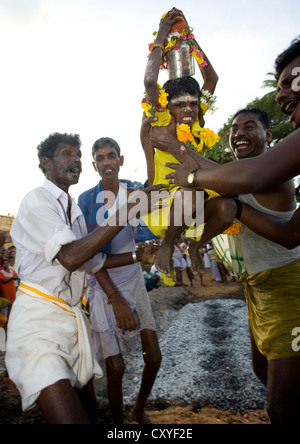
159	45
134	258
239	208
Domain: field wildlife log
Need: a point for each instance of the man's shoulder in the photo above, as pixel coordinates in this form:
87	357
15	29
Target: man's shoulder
34	196
89	191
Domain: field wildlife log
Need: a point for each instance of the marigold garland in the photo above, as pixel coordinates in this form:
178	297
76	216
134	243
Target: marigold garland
233	230
184	134
161	106
209	138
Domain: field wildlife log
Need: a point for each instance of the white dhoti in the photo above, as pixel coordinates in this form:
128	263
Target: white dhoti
109	340
47	341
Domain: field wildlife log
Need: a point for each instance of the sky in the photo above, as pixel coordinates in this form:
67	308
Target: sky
77	66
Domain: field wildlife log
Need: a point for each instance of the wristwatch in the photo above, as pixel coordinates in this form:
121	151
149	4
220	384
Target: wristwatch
191	176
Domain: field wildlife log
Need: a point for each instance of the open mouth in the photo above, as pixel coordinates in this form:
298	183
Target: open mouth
108	170
75	169
241	144
188	120
289	106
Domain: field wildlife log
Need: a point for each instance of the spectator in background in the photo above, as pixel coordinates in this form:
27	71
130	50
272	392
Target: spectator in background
4	237
8	287
151	279
12	265
213	263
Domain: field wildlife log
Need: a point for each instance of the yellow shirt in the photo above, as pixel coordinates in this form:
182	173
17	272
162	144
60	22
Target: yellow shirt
158	221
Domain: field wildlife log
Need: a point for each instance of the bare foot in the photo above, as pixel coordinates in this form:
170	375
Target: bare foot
140	417
164	259
195	256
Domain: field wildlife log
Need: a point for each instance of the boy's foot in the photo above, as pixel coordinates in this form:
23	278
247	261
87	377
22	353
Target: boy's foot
164	259
195	256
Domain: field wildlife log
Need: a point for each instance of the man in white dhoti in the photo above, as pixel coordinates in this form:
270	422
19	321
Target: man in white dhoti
120	288
50	356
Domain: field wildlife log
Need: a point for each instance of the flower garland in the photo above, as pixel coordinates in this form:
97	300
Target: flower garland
175	41
208	101
184	132
161	106
233	230
207	136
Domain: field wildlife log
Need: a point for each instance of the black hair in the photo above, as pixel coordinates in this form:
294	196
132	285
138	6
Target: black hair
183	85
103	141
48	146
263	116
287	56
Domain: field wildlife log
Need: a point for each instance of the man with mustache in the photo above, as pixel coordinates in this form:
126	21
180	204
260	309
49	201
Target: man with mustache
50	356
118	290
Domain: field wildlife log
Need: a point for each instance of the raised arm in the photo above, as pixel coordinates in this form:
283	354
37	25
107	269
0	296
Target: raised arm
155	57
209	75
145	136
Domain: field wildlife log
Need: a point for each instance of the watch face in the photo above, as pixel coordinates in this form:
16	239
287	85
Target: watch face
190	178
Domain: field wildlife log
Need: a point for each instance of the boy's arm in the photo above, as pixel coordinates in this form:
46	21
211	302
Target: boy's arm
209	75
154	60
147	146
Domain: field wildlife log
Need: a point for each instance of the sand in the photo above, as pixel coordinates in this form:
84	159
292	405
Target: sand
165	303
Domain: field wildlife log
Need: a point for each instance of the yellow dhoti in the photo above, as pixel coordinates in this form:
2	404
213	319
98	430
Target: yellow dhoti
273	303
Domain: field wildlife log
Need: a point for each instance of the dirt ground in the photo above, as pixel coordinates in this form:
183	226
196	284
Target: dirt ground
163	300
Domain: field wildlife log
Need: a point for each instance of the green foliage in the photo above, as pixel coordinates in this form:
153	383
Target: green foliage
219	153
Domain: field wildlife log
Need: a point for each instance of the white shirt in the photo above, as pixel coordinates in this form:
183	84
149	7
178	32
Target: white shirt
40	230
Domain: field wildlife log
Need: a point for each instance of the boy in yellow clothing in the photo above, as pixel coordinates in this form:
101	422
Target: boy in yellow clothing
181	98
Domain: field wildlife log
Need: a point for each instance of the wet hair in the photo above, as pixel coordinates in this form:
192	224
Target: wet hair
263	116
287	56
103	141
183	85
48	146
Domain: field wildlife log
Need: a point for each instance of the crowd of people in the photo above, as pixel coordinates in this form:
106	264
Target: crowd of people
66	251
181	263
9	282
